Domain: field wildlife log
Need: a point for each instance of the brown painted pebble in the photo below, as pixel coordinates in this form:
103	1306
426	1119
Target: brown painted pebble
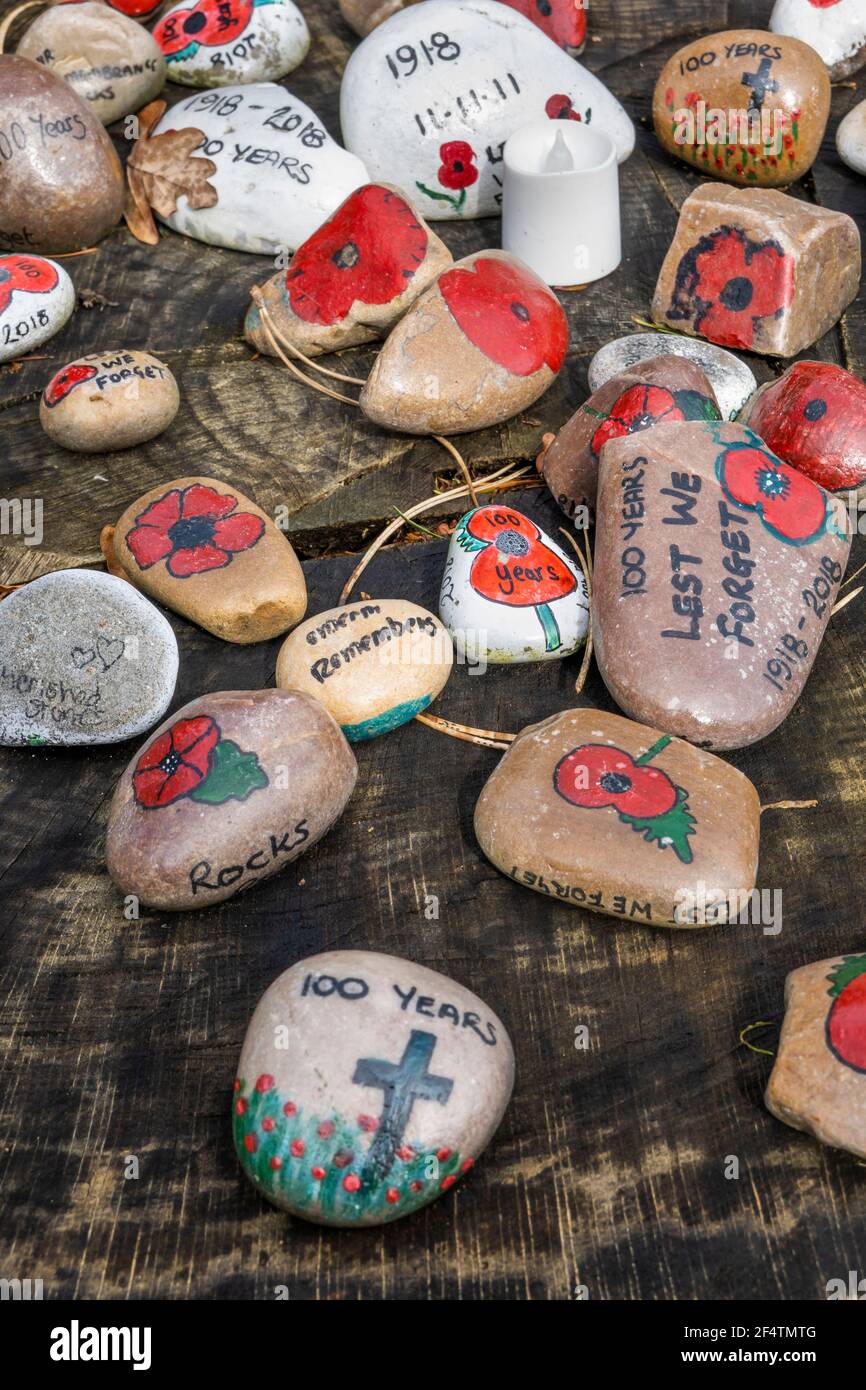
597	812
367	1086
818	1081
366	15
62	188
478	347
353	278
663	389
200	547
228	791
814	417
716	569
745	105
108	401
756	269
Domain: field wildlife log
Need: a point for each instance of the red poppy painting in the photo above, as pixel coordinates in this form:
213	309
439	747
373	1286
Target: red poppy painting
513	565
790	505
727	283
29	273
457	172
814	417
508	314
642	406
366	253
65	381
846	1021
194	530
192	759
561	108
208	24
564	21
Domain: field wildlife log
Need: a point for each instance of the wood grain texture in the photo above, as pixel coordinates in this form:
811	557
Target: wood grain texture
121	1038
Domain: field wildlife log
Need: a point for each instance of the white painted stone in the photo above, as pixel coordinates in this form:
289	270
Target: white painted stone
467	71
36	300
86	659
836	29
509	593
279	173
732	381
851	139
213	43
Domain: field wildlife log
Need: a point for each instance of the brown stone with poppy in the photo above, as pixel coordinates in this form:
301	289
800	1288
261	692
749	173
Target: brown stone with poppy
663	390
597	812
716	569
201	547
818	1082
108	401
352	279
478	347
61	186
229	790
755	269
744	105
814	417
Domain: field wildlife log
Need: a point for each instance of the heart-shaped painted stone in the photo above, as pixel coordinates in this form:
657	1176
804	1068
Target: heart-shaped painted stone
211	43
814	417
479	346
353	278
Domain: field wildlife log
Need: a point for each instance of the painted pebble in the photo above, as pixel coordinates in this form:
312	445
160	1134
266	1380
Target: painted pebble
366	15
756	269
662	390
732	381
744	106
229	790
430	97
211	43
818	1082
834	28
108	401
278	172
509	593
564	21
367	1086
62	188
112	63
478	347
86	659
140	10
36	300
597	812
354	277
373	664
716	568
851	139
814	417
202	548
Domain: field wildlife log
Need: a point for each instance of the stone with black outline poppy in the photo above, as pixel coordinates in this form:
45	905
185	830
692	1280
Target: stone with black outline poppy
814	417
597	812
716	569
36	300
755	269
201	547
818	1081
662	390
509	593
229	790
836	29
109	400
214	43
482	344
353	279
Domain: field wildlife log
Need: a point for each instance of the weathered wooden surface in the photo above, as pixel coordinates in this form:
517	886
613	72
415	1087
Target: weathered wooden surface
120	1039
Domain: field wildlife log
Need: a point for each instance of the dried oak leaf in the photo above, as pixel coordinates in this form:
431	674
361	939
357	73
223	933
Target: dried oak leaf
161	169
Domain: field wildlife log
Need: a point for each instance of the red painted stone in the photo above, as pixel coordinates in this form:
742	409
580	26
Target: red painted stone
814	417
564	21
508	314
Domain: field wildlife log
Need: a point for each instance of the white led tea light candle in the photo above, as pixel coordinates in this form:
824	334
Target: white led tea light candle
560	204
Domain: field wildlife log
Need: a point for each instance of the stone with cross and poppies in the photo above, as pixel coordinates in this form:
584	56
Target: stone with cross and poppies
367	1086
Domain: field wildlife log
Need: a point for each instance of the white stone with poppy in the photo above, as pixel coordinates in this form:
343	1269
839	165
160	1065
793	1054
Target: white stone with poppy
479	346
836	29
215	43
279	173
109	400
429	99
509	593
86	660
352	279
732	381
851	139
36	300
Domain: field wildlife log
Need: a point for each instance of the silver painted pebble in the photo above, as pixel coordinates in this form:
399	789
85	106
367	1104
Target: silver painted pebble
732	381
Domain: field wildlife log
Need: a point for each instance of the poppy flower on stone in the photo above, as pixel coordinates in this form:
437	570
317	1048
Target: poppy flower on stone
366	253
564	21
727	283
789	504
561	108
65	381
457	171
814	418
175	763
194	530
28	273
209	24
508	314
641	406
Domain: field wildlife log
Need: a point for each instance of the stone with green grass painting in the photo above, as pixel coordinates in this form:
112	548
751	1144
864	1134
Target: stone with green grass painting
367	1086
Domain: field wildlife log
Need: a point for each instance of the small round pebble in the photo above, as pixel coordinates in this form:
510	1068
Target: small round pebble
851	139
732	381
108	401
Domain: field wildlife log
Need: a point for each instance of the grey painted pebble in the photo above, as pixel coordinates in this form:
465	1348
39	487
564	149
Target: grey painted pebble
36	300
85	659
732	381
851	139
